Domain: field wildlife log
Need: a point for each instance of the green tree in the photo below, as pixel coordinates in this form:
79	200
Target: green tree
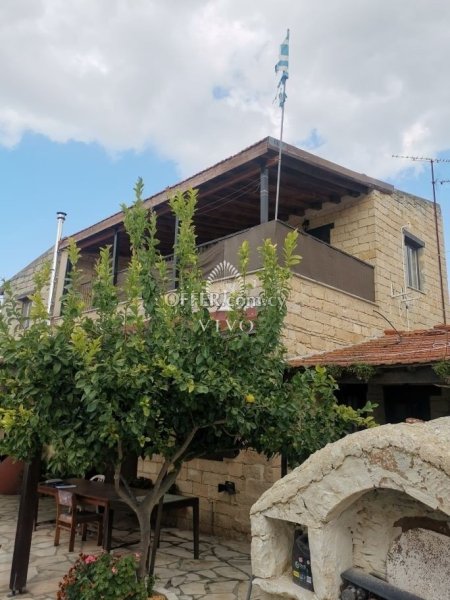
152	377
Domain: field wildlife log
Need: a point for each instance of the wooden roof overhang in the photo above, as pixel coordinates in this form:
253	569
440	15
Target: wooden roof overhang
229	194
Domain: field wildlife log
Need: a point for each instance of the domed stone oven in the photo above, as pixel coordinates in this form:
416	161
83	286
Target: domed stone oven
375	507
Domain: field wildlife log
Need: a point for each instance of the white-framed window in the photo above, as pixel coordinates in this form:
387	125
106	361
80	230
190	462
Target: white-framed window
413	248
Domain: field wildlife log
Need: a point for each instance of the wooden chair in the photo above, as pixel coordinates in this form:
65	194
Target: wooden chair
69	517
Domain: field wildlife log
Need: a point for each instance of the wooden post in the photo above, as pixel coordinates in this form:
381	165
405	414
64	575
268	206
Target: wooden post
24	529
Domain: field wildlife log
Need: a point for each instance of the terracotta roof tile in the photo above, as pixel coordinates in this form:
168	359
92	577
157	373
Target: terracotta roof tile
422	346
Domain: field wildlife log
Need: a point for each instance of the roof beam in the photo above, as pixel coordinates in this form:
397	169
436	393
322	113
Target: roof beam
325	166
323	178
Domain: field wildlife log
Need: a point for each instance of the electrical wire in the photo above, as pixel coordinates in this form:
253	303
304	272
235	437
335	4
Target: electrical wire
226	200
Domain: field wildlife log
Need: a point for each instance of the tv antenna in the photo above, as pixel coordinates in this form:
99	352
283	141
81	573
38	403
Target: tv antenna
432	162
405	298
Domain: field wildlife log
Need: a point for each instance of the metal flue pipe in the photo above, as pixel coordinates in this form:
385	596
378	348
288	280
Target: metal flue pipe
60	218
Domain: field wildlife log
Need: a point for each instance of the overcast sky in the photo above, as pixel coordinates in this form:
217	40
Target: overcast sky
94	93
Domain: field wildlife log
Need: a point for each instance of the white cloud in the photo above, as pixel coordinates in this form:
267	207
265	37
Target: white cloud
194	79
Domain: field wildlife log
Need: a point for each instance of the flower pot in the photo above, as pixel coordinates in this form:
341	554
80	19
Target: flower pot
11	472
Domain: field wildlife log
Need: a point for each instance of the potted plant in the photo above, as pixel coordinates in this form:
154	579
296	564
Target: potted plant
11	472
105	577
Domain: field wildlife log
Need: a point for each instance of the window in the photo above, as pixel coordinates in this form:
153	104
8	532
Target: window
25	311
413	250
322	233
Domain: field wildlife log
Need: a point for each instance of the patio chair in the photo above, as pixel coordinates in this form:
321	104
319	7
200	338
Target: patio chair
99	479
69	517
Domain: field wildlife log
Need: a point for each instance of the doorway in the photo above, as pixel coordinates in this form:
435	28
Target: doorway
408	401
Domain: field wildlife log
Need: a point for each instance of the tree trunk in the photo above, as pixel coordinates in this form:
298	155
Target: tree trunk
144	508
144	516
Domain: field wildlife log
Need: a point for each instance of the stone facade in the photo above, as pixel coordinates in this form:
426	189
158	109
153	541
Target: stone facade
23	282
323	318
372	229
355	498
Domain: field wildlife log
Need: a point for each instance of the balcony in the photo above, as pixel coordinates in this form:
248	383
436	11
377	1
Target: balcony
320	261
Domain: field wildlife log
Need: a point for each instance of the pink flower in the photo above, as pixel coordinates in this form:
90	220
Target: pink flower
90	559
113	570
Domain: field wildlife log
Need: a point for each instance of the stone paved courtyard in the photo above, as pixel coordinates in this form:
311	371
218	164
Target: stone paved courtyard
221	573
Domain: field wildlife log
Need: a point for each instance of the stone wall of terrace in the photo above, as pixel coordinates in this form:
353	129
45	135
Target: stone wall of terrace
222	514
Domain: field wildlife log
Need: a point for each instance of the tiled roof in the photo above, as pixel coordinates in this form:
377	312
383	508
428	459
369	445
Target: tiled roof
422	346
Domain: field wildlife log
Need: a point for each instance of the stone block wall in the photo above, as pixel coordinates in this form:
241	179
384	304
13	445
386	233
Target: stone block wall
393	215
221	514
354	225
322	318
370	228
23	282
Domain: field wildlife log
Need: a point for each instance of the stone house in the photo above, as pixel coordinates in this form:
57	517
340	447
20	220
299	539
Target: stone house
371	255
22	283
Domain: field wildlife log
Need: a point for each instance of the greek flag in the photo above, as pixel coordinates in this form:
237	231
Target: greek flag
283	63
282	67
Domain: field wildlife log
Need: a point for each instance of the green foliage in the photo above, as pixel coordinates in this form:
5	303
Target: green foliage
442	369
147	376
103	577
37	377
335	371
361	371
311	417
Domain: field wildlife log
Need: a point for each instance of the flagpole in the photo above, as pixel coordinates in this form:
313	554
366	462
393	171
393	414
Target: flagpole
283	66
277	197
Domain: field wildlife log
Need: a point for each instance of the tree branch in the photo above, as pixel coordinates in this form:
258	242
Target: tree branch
182	450
125	494
185	445
154	497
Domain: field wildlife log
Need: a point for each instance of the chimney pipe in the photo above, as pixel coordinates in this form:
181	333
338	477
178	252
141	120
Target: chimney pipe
60	218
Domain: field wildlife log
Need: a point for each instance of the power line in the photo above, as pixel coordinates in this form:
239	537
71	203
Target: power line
231	197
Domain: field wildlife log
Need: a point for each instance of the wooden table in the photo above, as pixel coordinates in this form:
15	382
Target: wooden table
97	494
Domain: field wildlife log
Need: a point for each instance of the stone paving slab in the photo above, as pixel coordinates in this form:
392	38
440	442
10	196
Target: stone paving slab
221	573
